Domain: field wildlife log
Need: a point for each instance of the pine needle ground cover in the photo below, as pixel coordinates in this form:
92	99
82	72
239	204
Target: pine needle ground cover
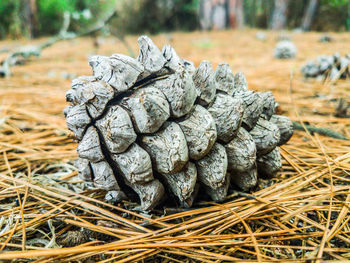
47	214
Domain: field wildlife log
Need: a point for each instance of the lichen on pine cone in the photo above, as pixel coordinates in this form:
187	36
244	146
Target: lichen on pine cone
156	126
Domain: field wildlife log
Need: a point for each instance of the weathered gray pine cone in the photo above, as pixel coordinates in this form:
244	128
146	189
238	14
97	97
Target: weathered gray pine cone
157	126
332	67
285	49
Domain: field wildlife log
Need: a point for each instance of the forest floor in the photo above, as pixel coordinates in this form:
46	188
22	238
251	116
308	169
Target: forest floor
302	214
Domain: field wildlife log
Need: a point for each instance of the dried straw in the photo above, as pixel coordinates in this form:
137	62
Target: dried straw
47	214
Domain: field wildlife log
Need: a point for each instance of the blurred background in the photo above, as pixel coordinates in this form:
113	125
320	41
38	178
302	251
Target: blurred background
35	18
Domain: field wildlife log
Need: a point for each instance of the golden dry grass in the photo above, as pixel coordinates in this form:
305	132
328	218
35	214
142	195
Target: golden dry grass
303	215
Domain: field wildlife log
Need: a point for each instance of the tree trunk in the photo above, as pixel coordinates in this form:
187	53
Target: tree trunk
213	14
240	14
30	15
279	16
205	9
236	14
309	14
219	14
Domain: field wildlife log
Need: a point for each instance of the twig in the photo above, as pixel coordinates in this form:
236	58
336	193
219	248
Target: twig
25	52
322	131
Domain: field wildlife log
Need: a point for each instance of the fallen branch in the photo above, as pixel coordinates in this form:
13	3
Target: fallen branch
4	49
322	131
25	52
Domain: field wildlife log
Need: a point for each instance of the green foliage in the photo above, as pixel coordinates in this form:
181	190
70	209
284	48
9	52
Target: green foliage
51	13
9	21
342	8
204	43
135	16
258	12
153	16
336	3
332	15
294	18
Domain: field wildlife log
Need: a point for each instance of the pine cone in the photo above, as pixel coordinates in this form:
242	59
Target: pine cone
156	124
285	49
332	67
